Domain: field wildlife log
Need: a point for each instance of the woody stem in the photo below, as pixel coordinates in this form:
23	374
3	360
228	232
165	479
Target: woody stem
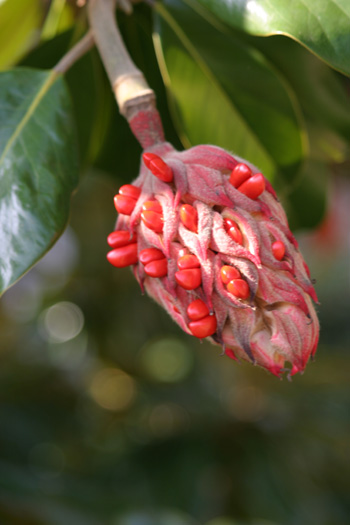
136	100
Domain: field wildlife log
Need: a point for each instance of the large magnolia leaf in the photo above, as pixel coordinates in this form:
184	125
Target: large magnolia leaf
321	25
38	167
225	92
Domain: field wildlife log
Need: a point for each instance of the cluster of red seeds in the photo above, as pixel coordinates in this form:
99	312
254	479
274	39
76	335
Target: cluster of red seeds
189	276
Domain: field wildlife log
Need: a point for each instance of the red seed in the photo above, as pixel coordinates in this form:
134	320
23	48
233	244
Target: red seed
229	273
232	229
130	191
203	327
188	261
236	235
150	254
158	167
123	256
240	174
197	310
120	238
124	204
239	288
157	268
253	187
189	279
153	205
148	157
153	220
278	250
228	223
189	217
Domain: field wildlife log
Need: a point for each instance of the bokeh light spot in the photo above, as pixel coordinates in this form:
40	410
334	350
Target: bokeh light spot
112	389
62	321
168	360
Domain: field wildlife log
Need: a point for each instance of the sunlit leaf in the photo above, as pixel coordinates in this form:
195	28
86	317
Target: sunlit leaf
18	28
321	25
60	17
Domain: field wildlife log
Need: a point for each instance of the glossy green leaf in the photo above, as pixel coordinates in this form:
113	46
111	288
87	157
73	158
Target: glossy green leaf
225	92
321	25
38	167
18	28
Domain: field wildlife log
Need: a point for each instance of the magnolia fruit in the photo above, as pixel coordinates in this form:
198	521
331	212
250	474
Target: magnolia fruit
209	241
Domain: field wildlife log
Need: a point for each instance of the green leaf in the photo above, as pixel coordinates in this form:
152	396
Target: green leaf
225	92
18	28
38	167
323	26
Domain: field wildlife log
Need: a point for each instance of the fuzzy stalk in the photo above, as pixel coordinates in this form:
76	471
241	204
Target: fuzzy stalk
135	99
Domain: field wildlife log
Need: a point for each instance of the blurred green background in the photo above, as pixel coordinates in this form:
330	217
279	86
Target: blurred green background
109	414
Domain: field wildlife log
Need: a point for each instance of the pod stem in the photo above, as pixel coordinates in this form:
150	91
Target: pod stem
135	99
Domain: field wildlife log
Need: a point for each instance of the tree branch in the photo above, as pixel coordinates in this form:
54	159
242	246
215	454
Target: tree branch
82	47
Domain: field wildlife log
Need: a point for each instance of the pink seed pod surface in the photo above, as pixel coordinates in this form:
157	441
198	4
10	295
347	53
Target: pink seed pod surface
252	283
